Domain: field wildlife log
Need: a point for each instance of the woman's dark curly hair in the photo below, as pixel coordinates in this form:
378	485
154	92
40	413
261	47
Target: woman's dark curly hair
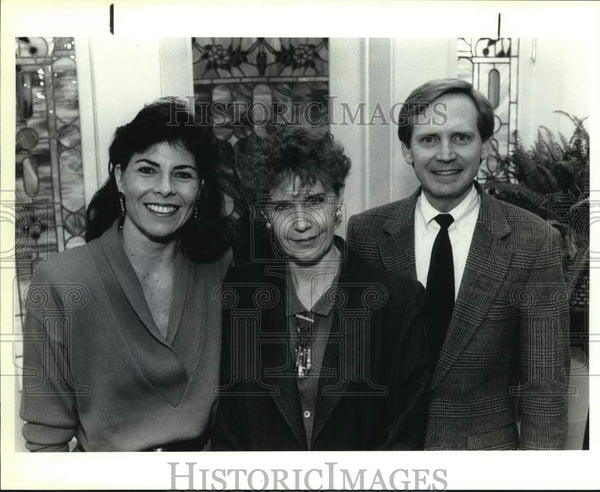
292	151
167	120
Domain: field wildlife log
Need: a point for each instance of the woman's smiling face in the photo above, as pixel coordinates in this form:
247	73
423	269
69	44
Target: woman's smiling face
161	187
303	219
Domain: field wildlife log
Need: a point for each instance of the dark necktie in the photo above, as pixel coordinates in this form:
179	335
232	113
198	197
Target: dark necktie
440	287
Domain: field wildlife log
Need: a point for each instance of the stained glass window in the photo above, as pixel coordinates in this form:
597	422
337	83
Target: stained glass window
243	85
258	81
50	206
492	66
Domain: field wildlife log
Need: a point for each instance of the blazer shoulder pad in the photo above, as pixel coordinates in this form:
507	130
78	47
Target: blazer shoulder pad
71	265
375	218
525	222
387	211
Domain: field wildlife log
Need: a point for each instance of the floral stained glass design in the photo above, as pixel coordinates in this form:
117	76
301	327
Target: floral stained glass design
255	82
243	85
492	66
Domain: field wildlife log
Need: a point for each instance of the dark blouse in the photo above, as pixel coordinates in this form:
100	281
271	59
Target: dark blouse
323	318
374	396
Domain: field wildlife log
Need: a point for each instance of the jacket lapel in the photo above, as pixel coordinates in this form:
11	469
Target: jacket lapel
487	265
183	274
332	382
334	378
397	247
277	361
155	358
127	278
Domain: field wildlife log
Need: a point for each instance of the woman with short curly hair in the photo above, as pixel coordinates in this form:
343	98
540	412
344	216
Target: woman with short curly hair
320	351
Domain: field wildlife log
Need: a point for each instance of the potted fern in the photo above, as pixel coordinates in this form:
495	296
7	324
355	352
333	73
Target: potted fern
551	179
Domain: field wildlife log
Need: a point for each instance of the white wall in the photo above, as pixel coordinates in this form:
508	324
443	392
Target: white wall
348	83
380	73
117	77
554	74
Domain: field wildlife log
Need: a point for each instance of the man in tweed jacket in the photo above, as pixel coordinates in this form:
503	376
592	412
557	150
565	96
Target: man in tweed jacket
500	381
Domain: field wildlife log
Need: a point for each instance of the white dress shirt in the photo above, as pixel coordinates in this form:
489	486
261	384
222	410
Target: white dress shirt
460	232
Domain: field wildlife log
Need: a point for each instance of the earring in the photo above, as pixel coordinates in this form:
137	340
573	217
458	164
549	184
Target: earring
202	190
196	212
337	216
122	203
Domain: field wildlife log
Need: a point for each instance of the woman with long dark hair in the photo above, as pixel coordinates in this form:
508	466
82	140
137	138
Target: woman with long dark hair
122	339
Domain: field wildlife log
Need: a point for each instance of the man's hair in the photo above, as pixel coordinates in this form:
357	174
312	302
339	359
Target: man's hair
422	97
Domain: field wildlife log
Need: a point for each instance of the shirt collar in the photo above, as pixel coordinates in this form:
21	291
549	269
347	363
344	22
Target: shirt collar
426	212
294	306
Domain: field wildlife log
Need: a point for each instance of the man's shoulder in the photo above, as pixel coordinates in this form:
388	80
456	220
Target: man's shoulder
383	212
521	221
371	222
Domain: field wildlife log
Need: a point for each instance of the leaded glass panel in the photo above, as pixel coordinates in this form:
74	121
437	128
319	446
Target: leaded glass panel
50	207
491	65
243	85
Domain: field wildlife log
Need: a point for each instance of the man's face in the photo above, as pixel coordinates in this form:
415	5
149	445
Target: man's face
446	152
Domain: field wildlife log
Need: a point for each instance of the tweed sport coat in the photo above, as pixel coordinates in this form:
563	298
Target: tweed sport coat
506	353
376	394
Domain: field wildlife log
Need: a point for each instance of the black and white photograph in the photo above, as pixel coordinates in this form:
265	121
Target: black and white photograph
338	256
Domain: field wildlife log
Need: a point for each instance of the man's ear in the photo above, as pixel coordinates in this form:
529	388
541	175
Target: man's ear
407	153
119	177
486	148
